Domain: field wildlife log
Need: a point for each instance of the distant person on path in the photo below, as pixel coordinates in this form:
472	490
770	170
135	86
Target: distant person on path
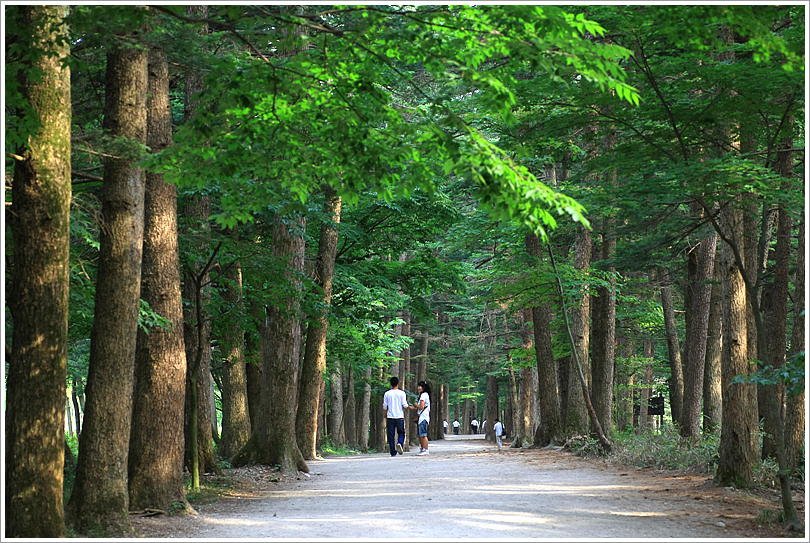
474	425
498	434
484	427
394	403
445	427
423	389
455	426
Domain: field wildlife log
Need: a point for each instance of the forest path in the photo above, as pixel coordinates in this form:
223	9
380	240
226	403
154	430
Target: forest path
465	489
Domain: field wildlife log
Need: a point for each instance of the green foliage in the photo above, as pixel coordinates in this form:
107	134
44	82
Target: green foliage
791	374
665	450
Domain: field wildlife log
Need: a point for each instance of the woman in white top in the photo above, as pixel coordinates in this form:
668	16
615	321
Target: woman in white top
424	416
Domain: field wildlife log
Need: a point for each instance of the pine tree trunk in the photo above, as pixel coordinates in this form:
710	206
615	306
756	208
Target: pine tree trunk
281	345
576	421
795	410
736	454
712	375
701	290
235	411
156	441
604	335
523	430
365	412
776	319
100	496
673	346
314	362
38	298
350	417
199	209
336	433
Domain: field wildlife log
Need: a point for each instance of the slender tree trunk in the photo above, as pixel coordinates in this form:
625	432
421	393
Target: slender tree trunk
156	441
365	412
776	322
605	339
235	412
673	346
795	438
336	431
698	327
645	421
712	375
523	430
492	411
100	496
576	421
38	299
349	417
198	342
314	361
549	429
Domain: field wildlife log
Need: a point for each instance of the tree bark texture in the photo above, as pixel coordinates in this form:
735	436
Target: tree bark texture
776	320
604	339
698	327
736	454
281	345
235	411
100	498
523	434
314	362
156	440
576	421
712	374
336	408
38	298
673	346
795	437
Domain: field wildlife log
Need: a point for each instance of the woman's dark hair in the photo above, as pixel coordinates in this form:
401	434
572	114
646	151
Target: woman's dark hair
425	386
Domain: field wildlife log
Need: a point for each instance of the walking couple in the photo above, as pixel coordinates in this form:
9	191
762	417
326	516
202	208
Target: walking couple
394	403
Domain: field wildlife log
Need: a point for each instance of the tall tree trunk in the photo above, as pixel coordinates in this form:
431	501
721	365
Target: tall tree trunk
523	430
336	431
492	411
673	346
235	411
701	289
276	443
100	496
736	454
776	322
156	440
38	299
365	412
349	416
712	375
576	421
624	395
549	430
795	412
604	335
314	362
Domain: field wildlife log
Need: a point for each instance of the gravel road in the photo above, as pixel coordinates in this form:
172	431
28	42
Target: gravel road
465	489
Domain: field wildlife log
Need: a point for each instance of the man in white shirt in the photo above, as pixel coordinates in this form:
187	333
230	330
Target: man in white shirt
474	425
394	403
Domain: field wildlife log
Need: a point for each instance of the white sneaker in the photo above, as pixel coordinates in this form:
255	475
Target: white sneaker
399	448
423	452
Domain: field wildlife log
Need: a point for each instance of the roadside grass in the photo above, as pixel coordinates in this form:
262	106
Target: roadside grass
665	450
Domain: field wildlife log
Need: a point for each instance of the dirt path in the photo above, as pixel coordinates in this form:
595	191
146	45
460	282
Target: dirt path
466	489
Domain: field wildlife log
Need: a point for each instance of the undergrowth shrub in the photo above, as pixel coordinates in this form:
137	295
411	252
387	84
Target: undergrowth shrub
666	450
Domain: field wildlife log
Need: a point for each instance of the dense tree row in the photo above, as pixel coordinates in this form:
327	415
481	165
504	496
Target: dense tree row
229	225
